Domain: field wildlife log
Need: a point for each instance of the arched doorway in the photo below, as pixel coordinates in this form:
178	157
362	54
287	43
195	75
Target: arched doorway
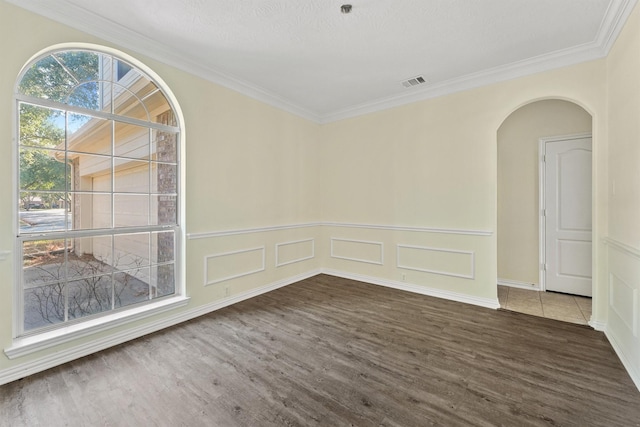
519	207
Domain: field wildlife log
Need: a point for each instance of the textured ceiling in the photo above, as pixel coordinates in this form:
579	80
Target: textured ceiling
310	59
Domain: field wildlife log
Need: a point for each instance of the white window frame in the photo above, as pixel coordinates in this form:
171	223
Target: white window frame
28	343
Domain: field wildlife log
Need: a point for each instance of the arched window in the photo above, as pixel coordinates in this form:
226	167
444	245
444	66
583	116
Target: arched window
98	189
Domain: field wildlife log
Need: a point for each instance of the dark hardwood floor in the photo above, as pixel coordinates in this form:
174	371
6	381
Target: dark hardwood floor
334	352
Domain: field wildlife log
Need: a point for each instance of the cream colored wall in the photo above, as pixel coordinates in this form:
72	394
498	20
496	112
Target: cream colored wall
518	199
621	282
432	165
248	165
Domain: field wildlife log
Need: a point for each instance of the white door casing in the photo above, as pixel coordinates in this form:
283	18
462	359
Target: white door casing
565	216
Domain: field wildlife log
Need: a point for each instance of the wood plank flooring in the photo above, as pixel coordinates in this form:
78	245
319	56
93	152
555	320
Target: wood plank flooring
334	352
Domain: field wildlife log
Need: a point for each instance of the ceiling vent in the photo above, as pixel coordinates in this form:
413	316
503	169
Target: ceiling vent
414	81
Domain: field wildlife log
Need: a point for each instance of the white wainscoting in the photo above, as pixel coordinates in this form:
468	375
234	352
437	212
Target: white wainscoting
289	252
623	262
358	250
231	265
445	262
623	300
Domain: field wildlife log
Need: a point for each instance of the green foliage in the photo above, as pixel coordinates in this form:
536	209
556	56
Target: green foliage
70	77
39	169
39	126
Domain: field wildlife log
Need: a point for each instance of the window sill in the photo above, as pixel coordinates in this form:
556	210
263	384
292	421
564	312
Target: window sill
27	345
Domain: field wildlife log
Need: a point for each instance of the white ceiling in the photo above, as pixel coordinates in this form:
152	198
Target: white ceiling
307	57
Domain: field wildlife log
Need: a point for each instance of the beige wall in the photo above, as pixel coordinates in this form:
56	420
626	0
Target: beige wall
518	198
624	135
620	287
432	166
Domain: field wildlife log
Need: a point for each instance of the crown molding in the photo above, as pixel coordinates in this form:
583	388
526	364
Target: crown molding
613	22
78	18
611	26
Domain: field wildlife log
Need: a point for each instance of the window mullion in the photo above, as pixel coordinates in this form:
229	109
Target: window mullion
113	172
97	232
113	274
95	113
65	282
150	172
65	289
113	189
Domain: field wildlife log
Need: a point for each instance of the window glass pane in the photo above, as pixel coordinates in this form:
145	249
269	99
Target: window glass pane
165	178
106	85
44	305
162	247
44	212
82	65
164	146
131	176
132	286
43	170
126	103
90	211
122	68
43	262
157	104
85	95
89	295
30	200
131	251
137	83
130	210
88	134
89	257
163	280
41	127
90	172
48	79
131	141
164	210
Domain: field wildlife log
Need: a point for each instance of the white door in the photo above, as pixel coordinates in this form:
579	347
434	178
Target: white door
567	215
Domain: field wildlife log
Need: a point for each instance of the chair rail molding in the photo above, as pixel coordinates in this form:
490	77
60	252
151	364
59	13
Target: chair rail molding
387	227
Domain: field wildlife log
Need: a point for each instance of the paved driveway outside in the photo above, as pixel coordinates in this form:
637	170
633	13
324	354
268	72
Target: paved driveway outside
41	220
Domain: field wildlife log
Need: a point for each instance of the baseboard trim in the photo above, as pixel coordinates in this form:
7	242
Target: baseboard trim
58	358
597	325
626	362
423	290
518	284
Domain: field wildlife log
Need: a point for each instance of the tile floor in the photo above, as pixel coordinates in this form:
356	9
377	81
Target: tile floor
552	305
